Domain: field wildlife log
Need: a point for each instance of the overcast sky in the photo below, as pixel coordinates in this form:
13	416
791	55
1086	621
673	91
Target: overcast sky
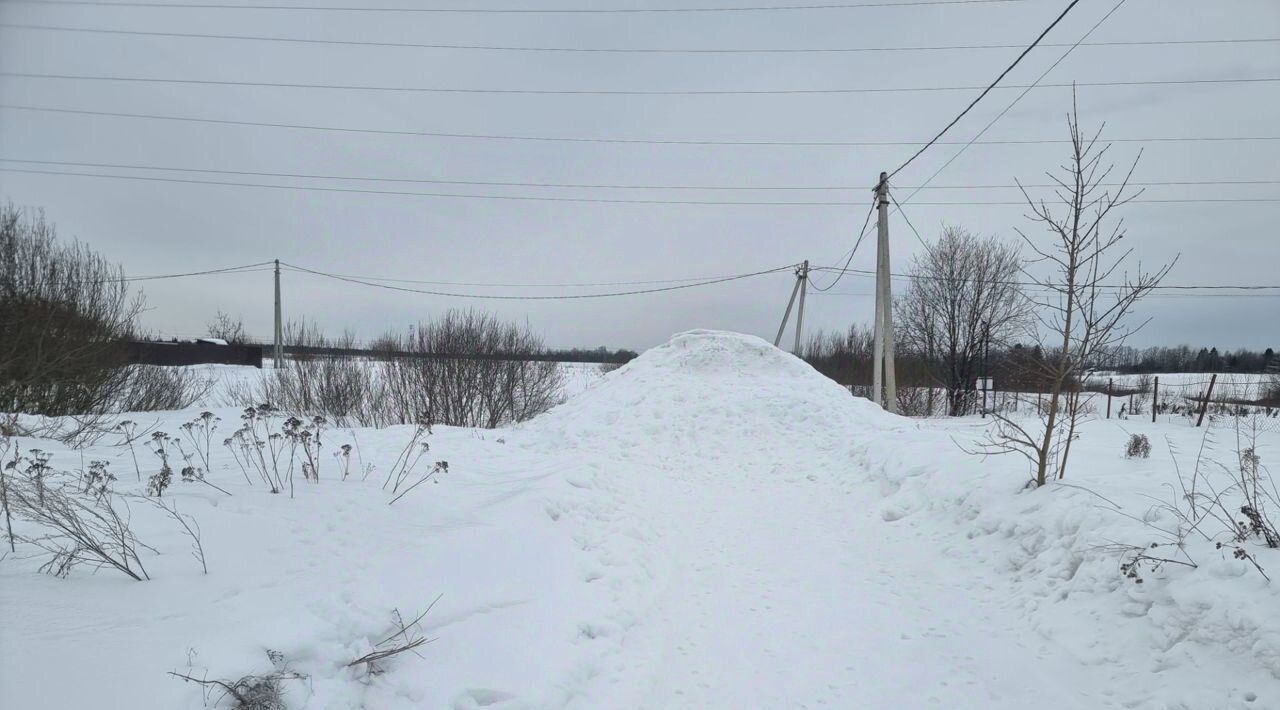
159	227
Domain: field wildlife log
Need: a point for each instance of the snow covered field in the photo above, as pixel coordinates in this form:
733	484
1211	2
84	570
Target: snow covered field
1229	385
714	525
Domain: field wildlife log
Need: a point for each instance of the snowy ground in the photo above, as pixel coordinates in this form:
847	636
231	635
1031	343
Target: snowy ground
714	525
1229	385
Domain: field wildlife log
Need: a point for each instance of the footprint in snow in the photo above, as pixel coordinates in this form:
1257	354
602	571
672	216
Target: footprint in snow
480	698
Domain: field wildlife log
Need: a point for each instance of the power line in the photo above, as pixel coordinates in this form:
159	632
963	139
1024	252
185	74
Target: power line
243	269
601	186
858	242
623	141
1157	296
1164	287
688	282
558	297
620	50
601	200
491	284
987	90
1016	99
908	221
512	11
248	269
622	92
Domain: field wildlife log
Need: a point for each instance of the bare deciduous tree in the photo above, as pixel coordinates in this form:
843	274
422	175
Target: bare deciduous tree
962	299
227	328
1081	301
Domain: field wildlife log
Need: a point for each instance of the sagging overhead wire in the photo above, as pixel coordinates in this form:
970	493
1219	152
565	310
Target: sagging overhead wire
542	297
571	284
857	242
242	269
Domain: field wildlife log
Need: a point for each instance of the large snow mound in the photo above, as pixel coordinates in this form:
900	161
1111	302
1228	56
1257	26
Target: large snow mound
705	389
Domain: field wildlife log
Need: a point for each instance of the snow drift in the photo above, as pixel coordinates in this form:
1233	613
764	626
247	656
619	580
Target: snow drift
706	392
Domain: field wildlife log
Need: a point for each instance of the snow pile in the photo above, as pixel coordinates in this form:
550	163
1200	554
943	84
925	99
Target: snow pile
704	392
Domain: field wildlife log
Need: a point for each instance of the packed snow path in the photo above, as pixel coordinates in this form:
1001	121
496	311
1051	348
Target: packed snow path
789	594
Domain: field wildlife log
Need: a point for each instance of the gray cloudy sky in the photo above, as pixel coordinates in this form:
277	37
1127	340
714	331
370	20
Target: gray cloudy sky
158	227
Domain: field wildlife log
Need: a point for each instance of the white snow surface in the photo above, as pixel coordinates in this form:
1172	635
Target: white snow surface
713	525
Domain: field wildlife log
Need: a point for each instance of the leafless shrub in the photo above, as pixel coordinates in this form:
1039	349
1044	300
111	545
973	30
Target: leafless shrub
347	390
63	311
913	401
470	369
150	388
74	430
465	369
75	530
1138	446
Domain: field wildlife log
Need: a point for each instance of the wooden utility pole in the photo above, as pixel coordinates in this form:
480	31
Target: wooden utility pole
277	351
1110	388
884	383
803	283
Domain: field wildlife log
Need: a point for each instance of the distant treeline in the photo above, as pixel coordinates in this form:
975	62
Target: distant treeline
600	354
1184	358
846	358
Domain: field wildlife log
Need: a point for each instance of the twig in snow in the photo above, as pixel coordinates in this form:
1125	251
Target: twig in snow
404	639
